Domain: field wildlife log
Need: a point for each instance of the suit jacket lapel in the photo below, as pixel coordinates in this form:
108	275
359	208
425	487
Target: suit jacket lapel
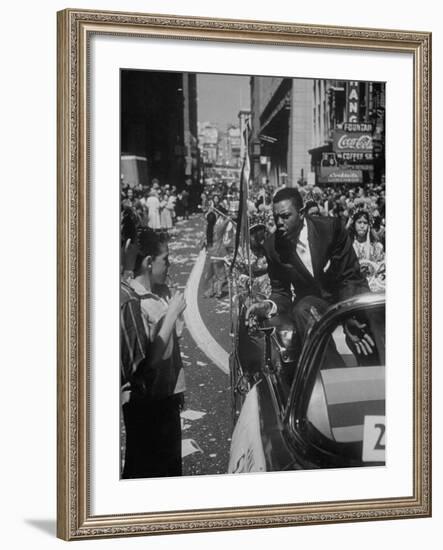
317	246
313	238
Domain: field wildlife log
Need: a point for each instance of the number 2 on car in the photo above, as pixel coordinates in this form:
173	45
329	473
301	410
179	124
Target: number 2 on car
374	439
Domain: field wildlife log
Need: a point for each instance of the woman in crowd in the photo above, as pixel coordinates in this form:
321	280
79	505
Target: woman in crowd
204	202
211	218
216	276
153	206
165	212
172	200
365	245
142	214
151	410
369	250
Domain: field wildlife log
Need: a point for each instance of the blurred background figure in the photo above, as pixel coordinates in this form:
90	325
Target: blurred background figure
216	276
165	212
153	206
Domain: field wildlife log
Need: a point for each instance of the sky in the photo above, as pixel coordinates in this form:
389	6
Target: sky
220	98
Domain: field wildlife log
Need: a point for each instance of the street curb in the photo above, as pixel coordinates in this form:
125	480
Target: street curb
202	337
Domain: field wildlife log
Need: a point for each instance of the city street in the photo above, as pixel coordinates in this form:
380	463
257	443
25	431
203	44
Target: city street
206	419
317	200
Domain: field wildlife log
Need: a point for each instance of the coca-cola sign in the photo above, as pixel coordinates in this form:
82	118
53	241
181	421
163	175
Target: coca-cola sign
352	142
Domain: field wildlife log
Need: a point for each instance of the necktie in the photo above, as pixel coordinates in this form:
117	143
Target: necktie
302	252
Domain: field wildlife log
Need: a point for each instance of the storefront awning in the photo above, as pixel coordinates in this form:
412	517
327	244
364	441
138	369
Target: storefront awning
317	152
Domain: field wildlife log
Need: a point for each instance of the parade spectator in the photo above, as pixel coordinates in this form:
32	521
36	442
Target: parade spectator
185	198
128	233
193	194
204	202
144	199
166	212
365	244
161	206
152	409
369	250
172	201
225	202
379	230
252	209
153	206
134	380
128	201
142	214
211	218
264	202
179	209
260	200
216	276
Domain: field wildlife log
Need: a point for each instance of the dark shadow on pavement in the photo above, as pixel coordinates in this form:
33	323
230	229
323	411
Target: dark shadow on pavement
48	526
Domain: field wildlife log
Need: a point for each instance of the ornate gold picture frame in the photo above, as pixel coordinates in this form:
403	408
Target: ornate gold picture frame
75	516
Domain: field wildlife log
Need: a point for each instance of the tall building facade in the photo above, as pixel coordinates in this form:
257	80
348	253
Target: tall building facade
159	127
234	145
208	139
349	132
220	150
322	132
281	130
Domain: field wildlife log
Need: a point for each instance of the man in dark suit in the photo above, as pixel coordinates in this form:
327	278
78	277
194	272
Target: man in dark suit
311	265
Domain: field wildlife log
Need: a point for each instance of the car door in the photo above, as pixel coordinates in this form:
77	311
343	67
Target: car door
336	411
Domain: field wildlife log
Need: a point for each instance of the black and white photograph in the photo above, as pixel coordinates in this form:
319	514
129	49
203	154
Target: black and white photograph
252	274
204	193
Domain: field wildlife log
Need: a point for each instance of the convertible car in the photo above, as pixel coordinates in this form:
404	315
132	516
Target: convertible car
321	406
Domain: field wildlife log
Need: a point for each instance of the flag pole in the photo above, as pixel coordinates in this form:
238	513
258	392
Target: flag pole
247	243
242	237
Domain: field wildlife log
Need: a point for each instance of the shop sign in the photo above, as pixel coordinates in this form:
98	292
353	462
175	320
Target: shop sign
355	157
352	100
352	142
336	175
357	127
360	166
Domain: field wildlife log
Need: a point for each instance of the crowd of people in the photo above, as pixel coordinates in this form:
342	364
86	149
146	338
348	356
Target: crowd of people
360	209
152	376
151	322
158	205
